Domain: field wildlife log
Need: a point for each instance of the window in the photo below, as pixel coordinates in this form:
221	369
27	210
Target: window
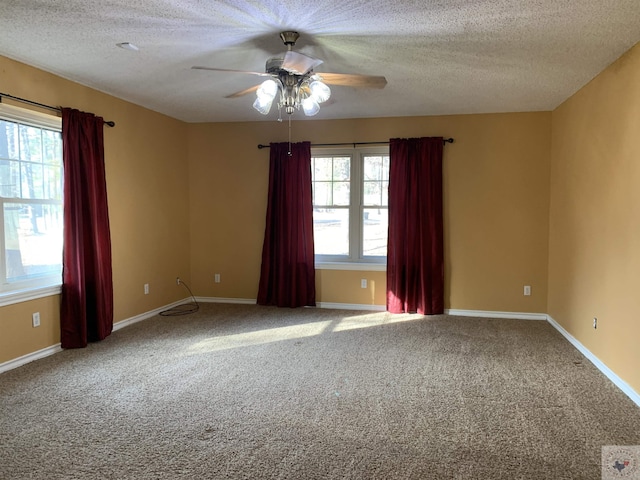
30	200
350	205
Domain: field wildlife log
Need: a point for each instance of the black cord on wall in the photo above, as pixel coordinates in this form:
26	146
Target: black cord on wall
183	309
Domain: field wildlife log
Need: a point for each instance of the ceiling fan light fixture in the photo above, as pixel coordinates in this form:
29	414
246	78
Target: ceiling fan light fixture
263	104
268	89
319	91
310	106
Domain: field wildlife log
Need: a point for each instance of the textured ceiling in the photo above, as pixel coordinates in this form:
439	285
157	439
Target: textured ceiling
439	56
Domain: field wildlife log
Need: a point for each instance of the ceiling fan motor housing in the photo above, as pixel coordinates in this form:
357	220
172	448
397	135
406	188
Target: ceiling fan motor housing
274	65
289	38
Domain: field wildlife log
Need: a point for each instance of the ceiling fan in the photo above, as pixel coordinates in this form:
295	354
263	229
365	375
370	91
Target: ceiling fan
293	76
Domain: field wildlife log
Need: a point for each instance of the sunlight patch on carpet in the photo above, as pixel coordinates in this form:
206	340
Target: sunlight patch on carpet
292	332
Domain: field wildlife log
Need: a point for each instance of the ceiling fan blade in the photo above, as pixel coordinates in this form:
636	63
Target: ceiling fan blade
299	63
243	92
261	74
353	80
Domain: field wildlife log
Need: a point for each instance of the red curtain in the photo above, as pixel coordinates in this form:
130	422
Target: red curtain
86	312
287	276
415	258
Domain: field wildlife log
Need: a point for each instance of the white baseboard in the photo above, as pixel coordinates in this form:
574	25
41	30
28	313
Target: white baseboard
241	301
351	306
143	316
29	357
490	314
617	381
332	305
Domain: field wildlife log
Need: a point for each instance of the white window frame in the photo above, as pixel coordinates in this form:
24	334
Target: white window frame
48	284
355	260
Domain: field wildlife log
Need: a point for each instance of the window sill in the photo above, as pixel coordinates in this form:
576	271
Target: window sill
18	296
369	267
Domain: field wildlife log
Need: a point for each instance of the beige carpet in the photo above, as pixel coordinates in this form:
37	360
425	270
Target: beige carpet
248	392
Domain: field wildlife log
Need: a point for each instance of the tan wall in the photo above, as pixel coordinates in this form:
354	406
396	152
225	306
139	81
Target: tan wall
18	337
147	181
496	183
337	286
594	242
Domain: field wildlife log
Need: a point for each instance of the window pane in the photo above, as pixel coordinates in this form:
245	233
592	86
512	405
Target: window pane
53	183
322	168
373	167
372	193
8	140
331	181
9	179
331	231
375	223
32	180
341	168
322	193
30	144
341	193
52	145
376	180
33	240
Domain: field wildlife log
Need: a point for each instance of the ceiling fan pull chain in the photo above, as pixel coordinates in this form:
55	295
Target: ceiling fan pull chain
289	135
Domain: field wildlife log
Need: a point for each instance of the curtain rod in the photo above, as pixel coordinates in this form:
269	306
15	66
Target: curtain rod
42	105
261	146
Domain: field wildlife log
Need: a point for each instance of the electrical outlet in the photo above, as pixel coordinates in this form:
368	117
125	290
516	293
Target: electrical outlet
177	280
595	323
527	290
146	289
216	278
363	283
35	319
